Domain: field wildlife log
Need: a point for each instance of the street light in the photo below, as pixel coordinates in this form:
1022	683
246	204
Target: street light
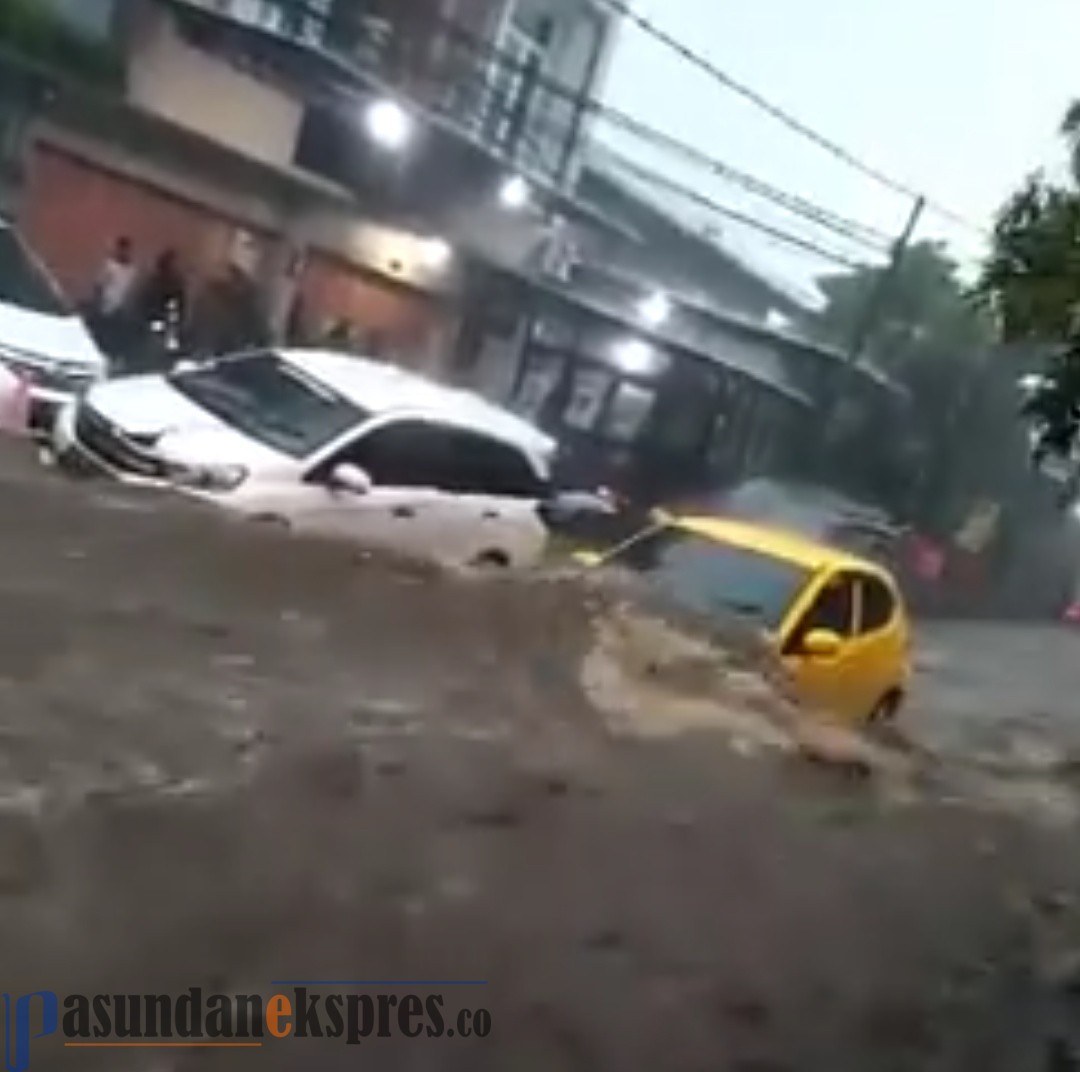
389	125
633	355
514	193
655	309
435	253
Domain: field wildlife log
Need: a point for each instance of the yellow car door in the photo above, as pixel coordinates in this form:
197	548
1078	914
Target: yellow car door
879	648
818	646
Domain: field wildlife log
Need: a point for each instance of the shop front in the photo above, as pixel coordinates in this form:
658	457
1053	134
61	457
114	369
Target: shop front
646	414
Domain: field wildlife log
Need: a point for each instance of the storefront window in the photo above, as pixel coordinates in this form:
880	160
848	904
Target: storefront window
587	397
685	410
539	383
761	433
630	408
720	440
721	449
549	331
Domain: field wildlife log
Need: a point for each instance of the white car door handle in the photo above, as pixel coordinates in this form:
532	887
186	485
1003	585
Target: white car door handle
403	512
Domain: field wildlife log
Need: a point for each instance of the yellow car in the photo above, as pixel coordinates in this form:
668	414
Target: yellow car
837	620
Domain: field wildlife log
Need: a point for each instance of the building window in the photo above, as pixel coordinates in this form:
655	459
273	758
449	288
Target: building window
588	395
516	72
685	409
306	22
630	409
723	430
542	378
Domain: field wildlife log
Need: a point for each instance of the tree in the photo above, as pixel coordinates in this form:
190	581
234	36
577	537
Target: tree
927	317
932	340
1031	284
36	31
1070	131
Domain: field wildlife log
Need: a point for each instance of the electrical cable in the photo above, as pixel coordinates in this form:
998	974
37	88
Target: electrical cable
849	229
781	115
659	181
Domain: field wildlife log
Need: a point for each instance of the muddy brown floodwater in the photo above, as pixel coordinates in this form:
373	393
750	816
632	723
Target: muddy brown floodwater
228	758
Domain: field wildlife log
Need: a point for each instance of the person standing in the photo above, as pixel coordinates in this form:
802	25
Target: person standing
229	316
163	298
110	304
161	308
116	280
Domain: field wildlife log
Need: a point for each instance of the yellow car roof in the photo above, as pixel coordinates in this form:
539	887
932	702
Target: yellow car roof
777	543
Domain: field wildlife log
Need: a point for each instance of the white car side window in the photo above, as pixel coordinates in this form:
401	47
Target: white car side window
485	466
421	454
405	454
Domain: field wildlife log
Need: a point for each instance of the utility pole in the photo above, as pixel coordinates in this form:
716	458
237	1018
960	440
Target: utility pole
880	294
871	314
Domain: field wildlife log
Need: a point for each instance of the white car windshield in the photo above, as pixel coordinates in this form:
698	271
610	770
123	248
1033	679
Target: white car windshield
24	282
270	400
709	577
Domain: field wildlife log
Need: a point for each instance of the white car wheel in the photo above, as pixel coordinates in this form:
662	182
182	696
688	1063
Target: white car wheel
272	521
491	560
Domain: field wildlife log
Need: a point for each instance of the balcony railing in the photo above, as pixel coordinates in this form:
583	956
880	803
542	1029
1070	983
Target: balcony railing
514	108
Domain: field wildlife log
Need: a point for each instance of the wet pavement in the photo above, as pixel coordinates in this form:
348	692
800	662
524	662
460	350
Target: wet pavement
996	688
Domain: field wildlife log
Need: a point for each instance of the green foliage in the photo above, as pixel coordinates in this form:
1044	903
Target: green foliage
1031	282
1052	406
927	315
929	336
31	28
931	339
1031	278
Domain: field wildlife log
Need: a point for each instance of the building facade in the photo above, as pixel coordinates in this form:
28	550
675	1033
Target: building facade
516	75
245	128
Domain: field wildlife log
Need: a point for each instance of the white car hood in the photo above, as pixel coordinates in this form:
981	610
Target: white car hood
144	406
63	339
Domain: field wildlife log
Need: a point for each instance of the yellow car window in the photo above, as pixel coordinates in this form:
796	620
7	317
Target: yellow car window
713	577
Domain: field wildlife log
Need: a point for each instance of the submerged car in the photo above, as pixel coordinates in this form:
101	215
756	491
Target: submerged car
837	620
43	340
820	513
328	443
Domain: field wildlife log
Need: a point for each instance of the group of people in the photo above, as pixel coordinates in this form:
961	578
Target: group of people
129	308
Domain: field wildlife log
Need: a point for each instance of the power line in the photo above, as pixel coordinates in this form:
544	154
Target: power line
781	115
794	203
488	53
485	50
777	234
850	230
653	178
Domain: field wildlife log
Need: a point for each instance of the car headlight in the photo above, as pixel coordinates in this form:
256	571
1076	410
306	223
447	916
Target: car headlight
66	376
209	477
79	374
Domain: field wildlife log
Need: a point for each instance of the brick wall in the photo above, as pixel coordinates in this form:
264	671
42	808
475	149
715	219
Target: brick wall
72	212
414	327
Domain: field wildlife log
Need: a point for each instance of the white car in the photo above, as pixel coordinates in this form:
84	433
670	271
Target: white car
43	340
327	443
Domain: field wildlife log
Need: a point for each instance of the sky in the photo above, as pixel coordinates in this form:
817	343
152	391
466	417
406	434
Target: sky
959	99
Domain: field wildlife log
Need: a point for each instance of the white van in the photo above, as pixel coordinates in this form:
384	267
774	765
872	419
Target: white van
43	340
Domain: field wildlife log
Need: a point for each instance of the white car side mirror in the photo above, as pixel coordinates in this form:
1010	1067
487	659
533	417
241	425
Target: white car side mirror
351	478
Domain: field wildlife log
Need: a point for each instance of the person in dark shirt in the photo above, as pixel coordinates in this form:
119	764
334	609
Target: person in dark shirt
229	316
164	292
